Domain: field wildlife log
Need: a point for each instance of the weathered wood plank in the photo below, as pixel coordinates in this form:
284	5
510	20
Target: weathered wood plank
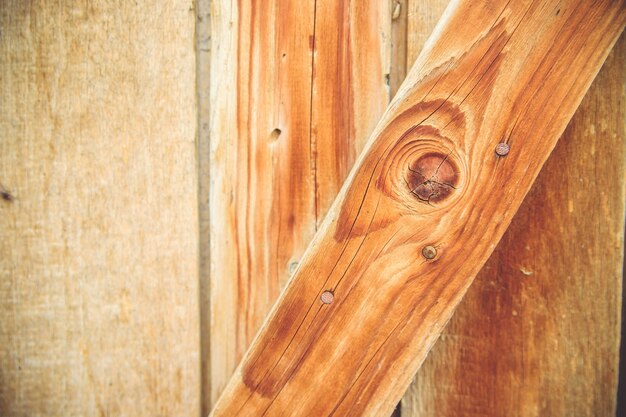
350	92
422	18
260	158
539	330
399	43
98	250
295	86
515	58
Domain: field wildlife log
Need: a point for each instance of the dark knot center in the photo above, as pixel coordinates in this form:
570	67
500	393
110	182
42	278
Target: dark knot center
432	177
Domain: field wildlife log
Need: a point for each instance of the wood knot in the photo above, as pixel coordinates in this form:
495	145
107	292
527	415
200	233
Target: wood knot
432	177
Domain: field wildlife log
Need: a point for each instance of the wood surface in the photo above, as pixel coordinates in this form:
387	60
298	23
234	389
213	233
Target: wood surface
422	17
538	332
98	249
399	62
428	176
257	101
296	89
203	87
350	91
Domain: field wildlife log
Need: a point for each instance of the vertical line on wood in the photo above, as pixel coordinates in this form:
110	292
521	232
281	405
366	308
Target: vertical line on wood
203	64
312	143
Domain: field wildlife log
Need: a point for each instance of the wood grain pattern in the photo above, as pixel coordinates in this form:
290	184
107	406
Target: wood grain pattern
489	73
350	94
98	251
296	88
539	331
260	158
260	97
422	17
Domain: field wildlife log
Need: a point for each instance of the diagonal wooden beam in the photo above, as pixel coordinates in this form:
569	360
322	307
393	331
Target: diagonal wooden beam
429	198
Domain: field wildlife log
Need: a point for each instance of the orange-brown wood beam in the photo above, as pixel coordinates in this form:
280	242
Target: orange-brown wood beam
424	206
296	90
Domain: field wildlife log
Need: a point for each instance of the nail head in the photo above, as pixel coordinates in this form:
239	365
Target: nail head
502	149
327	297
429	252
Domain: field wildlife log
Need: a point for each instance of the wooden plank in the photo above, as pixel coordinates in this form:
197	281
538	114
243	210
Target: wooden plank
539	330
515	58
260	112
295	86
422	18
398	63
98	250
349	88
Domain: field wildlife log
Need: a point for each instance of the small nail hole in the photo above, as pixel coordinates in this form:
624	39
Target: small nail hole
275	134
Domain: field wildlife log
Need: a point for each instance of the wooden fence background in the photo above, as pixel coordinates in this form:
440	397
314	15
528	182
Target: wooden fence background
170	161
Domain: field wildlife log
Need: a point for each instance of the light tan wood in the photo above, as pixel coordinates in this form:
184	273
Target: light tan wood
489	74
539	330
286	126
422	17
350	91
98	250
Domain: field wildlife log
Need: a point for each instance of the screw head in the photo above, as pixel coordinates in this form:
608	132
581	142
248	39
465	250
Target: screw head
429	252
327	297
502	149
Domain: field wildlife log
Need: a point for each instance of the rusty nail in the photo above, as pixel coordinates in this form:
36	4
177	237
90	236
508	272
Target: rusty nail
327	297
429	252
502	149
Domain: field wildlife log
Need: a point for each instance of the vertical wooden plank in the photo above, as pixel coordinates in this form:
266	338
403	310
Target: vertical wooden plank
350	91
422	17
261	190
538	332
399	43
98	250
296	88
